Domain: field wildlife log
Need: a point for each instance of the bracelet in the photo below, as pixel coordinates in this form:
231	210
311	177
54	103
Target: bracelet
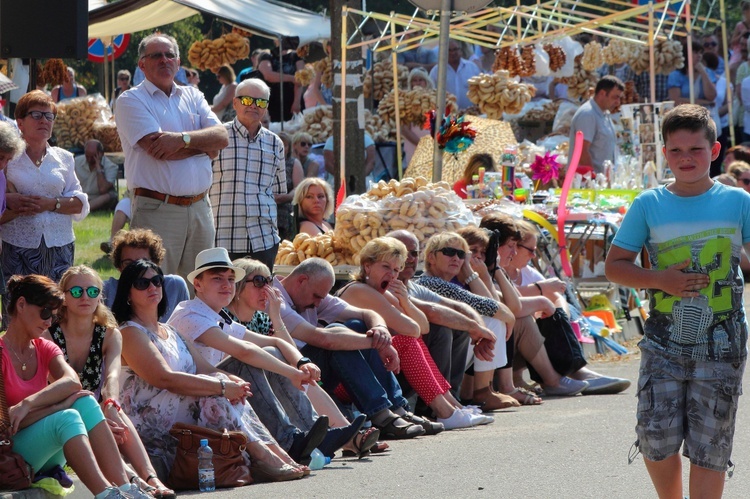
223	387
473	277
539	287
114	403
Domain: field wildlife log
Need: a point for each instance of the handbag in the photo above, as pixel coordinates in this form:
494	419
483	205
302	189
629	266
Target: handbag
15	472
230	468
560	342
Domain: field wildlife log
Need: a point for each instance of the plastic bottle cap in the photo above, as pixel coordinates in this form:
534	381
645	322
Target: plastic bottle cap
204	442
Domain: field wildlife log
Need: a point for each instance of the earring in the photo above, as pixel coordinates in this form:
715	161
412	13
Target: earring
367	278
128	301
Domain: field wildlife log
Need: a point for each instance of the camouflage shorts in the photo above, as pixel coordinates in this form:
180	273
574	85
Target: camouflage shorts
682	399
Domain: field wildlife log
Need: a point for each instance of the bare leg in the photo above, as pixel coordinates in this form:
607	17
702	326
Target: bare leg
81	458
467	387
705	483
442	407
118	222
666	476
137	456
543	366
323	404
104	446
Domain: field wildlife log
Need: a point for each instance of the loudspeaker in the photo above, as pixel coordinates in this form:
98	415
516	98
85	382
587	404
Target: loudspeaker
42	29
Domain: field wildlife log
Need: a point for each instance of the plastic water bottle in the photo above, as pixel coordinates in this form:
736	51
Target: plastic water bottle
206	467
318	460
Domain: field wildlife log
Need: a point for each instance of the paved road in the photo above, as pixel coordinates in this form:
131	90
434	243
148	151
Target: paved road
566	448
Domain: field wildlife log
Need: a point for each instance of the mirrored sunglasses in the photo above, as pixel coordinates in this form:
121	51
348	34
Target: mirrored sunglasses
143	283
77	291
246	100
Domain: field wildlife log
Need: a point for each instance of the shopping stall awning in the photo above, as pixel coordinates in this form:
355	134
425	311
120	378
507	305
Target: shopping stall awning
259	16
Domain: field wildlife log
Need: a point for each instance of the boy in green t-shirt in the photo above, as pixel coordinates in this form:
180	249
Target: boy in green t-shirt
694	346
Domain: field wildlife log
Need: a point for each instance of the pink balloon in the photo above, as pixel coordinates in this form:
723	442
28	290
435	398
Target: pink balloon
562	208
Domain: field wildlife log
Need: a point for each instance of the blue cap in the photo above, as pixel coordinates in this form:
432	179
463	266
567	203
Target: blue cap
204	442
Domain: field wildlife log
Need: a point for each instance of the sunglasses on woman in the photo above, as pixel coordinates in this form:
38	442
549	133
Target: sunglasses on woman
745	181
143	283
259	281
77	291
47	313
451	252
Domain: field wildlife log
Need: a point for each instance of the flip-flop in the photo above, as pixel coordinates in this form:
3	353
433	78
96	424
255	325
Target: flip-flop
529	398
159	492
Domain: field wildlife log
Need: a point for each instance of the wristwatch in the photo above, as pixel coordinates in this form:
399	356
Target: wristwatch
302	361
186	139
57	204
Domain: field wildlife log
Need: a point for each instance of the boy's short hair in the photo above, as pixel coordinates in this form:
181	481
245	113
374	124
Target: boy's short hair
607	83
691	117
737	168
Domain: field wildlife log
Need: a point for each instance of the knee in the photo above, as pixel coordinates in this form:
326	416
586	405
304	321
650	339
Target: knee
357	325
275	352
89	411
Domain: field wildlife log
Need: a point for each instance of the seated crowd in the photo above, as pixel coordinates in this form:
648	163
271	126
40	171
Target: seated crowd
121	362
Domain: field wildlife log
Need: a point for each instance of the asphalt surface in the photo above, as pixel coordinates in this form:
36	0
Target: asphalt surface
566	448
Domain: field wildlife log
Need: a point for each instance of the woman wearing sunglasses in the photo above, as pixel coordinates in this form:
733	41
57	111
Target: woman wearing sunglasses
257	306
165	380
376	287
87	334
301	144
44	197
447	259
53	421
314	199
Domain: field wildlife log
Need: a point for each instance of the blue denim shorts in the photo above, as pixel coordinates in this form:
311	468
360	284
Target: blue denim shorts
686	400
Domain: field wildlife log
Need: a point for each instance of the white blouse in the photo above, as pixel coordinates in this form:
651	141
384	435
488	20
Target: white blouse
55	177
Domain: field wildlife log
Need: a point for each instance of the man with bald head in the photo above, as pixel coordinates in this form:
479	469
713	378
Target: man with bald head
247	175
169	136
453	325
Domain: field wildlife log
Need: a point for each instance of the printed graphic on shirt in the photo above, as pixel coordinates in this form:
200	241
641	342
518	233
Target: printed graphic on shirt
710	326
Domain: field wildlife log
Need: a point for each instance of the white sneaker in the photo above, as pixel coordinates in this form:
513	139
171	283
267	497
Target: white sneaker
135	492
459	419
473	409
482	419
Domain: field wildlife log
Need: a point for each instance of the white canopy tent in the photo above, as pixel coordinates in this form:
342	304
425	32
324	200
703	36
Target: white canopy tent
258	16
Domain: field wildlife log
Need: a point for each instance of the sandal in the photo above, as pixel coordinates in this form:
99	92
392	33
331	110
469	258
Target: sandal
430	427
379	447
528	397
159	492
363	442
389	430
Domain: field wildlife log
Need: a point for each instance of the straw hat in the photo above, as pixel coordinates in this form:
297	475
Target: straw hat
492	137
214	258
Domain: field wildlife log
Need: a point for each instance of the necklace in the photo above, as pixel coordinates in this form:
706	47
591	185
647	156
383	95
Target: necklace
39	161
23	362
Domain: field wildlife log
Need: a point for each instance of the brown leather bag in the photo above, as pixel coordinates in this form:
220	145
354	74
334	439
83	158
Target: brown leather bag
15	473
230	468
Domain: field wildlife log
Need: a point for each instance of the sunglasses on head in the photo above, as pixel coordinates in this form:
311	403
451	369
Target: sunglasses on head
451	252
144	282
246	100
77	291
259	281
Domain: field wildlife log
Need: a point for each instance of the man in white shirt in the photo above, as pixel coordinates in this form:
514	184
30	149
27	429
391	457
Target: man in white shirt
97	175
459	72
169	135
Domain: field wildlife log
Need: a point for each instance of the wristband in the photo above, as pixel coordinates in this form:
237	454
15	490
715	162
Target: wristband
473	277
223	387
539	288
302	361
114	403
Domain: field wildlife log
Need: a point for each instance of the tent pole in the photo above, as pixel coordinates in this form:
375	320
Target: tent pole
342	142
689	29
651	57
445	23
281	80
394	64
725	50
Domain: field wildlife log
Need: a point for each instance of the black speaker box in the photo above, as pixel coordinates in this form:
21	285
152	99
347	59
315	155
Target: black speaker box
42	29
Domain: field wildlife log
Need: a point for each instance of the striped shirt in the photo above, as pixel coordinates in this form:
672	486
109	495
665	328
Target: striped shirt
246	176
